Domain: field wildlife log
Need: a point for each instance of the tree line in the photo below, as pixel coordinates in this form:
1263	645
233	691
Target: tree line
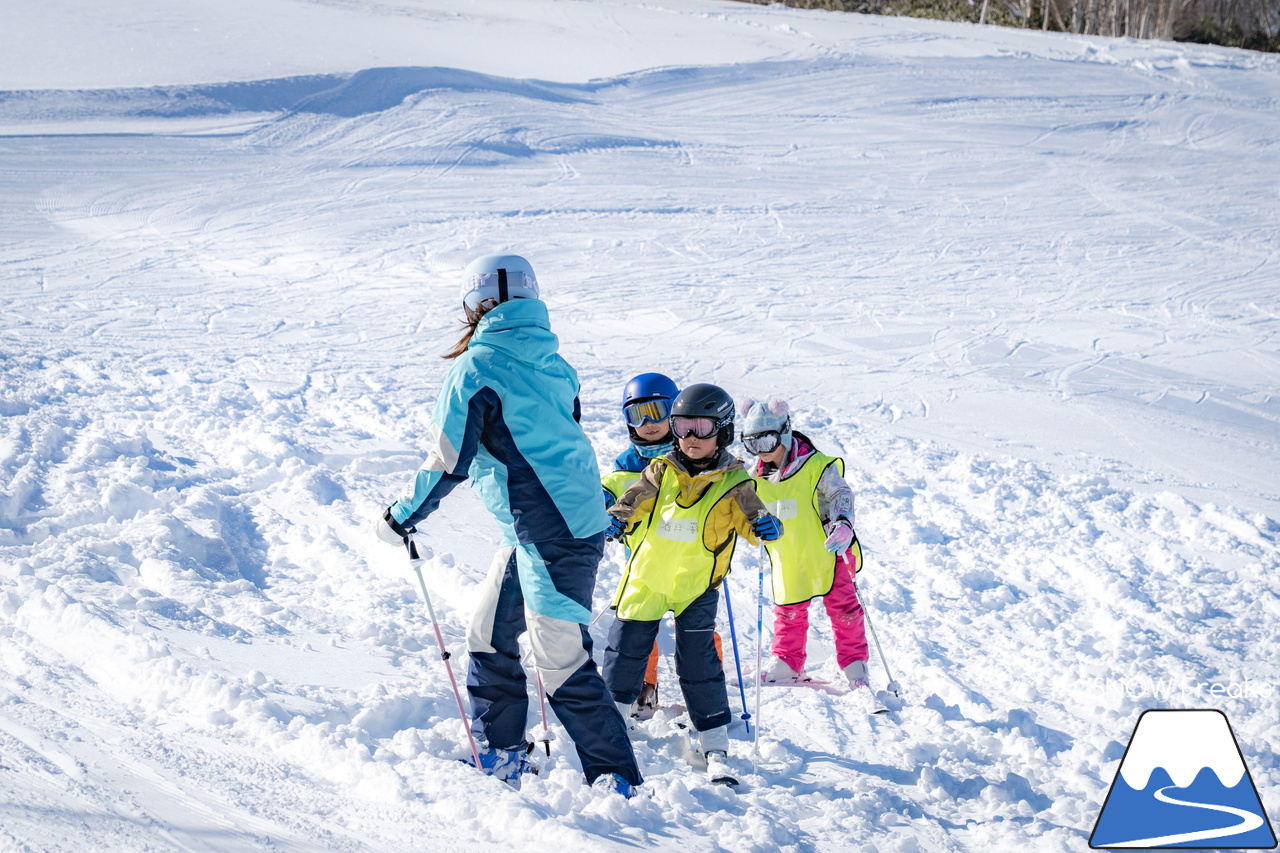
1249	24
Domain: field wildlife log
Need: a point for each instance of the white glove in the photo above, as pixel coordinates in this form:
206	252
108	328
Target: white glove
389	530
839	536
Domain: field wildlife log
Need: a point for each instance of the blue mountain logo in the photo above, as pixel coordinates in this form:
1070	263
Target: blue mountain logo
1183	783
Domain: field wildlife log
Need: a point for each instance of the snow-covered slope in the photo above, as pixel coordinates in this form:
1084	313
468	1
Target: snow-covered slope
1025	284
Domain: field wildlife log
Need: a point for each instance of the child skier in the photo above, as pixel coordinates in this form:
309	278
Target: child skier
646	410
818	557
689	507
507	420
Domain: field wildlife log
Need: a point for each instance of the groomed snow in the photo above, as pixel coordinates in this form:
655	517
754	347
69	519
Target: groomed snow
1025	283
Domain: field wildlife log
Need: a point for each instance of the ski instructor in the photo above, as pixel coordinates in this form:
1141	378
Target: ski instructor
507	419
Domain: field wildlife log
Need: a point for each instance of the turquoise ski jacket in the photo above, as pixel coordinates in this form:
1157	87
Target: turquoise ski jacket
507	420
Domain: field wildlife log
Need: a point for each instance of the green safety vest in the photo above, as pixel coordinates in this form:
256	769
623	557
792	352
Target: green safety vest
802	566
670	566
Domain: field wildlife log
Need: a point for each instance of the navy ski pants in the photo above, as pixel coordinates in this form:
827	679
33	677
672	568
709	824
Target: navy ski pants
561	652
698	666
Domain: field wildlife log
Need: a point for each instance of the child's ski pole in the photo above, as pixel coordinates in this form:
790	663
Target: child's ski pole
416	562
893	685
737	658
755	749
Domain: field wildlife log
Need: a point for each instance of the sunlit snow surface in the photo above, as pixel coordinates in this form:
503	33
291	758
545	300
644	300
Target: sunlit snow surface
1028	285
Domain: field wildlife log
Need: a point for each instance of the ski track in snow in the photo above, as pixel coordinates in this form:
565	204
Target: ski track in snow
1028	291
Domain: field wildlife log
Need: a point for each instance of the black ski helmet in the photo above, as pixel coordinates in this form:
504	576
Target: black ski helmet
707	401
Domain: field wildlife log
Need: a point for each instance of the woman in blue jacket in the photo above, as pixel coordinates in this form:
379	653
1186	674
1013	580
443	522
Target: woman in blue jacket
507	420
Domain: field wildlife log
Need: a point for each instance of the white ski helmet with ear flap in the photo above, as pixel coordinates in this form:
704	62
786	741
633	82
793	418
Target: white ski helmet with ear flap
497	277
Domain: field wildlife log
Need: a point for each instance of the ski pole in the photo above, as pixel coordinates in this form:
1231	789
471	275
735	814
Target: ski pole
547	735
542	701
893	685
416	562
737	658
755	748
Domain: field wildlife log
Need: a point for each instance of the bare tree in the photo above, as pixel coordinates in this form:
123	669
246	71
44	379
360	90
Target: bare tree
1252	24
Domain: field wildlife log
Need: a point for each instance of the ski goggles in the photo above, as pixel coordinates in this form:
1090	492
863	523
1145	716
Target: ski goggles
654	411
762	442
697	427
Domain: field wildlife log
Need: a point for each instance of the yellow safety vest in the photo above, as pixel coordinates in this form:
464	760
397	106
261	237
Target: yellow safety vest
615	483
670	566
802	566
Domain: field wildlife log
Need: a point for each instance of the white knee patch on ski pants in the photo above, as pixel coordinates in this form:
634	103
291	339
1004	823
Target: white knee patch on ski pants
557	645
480	632
557	649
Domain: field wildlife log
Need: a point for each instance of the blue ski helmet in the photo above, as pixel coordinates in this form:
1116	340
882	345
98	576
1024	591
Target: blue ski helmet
497	278
649	386
648	397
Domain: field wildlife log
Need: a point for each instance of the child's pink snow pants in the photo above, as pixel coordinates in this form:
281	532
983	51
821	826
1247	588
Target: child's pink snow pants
791	625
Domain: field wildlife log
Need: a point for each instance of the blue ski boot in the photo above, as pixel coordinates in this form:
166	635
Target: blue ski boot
615	783
508	765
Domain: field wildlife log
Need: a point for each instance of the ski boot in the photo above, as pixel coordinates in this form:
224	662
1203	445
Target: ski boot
780	672
648	700
506	765
614	783
714	745
860	688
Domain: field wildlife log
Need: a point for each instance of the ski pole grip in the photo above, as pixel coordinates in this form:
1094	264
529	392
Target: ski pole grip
411	544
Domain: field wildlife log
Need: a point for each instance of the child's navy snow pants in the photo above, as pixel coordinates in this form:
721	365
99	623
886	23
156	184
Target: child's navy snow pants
697	664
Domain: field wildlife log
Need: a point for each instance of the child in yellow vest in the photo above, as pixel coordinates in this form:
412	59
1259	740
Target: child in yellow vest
819	557
689	506
646	410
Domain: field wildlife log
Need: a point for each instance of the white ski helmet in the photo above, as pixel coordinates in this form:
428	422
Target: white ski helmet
497	277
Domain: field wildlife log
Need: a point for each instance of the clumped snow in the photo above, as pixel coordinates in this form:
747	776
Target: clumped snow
1026	284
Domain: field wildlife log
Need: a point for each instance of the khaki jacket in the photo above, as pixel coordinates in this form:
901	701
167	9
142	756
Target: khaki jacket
733	514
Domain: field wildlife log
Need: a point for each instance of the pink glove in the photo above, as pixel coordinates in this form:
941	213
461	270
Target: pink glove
839	536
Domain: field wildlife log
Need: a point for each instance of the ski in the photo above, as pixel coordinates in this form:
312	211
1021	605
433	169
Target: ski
812	683
878	707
